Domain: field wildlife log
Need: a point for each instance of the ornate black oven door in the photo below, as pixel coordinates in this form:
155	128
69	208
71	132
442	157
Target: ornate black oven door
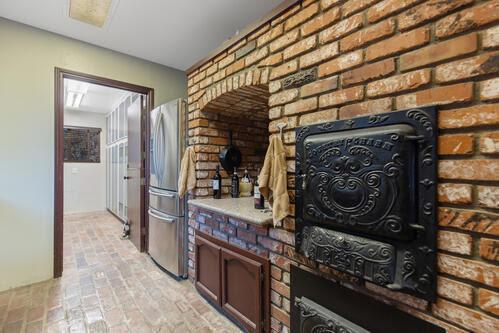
361	180
365	197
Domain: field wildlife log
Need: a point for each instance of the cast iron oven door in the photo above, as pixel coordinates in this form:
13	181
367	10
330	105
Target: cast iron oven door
365	197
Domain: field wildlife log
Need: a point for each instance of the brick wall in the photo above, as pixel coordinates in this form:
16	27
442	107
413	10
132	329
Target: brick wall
332	59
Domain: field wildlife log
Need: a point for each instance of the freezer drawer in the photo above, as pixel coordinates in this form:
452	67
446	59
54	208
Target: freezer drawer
166	241
166	201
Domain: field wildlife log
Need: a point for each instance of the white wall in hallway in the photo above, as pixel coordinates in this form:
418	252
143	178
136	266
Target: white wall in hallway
85	183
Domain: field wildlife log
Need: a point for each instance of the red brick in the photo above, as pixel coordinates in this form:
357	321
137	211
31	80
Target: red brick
235	67
282	235
429	10
284	41
280	261
480	115
275	272
399	83
284	69
300	106
456	93
271	60
362	37
487	63
353	6
441	51
489	249
320	21
469	269
470	220
318	55
301	16
341	97
454	290
227	60
325	4
246	235
256	55
270	35
366	108
488	301
470	319
280	288
489	143
283	97
489	89
319	87
319	117
456	144
487	170
388	7
280	315
368	72
399	43
455	193
341	63
454	242
341	28
488	196
490	38
300	47
468	19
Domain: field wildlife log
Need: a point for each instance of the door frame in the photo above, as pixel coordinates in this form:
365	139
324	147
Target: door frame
59	75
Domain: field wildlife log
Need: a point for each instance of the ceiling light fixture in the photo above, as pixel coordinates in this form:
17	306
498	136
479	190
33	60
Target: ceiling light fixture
94	12
75	91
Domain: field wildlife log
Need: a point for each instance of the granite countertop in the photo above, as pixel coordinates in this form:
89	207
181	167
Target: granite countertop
239	208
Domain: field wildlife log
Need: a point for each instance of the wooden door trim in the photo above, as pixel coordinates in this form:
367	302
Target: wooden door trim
200	241
59	75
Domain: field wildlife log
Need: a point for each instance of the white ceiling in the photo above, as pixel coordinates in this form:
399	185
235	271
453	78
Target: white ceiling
99	99
175	33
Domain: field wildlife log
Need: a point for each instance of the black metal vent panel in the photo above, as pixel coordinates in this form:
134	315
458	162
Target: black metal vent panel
373	177
368	259
315	318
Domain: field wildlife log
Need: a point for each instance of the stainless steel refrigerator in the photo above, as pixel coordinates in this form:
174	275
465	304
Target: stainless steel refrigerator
167	225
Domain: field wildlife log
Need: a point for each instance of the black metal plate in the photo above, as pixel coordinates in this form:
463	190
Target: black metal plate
374	177
358	308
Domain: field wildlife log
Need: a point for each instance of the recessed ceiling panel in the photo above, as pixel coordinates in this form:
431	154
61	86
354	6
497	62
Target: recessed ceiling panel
93	12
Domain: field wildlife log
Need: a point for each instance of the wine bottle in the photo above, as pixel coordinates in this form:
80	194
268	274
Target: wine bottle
258	196
234	191
217	184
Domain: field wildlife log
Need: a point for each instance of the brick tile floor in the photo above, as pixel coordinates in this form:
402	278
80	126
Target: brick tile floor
107	286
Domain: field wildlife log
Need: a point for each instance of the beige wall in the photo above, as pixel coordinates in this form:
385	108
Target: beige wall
27	60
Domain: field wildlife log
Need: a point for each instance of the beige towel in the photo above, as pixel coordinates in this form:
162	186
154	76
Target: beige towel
273	179
187	177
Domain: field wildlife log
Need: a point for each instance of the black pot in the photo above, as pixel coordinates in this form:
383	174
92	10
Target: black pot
230	157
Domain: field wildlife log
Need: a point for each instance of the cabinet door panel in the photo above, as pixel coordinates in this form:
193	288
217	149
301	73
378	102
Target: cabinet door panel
208	269
242	289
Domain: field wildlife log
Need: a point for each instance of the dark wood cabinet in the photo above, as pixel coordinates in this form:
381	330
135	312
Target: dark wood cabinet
208	277
235	280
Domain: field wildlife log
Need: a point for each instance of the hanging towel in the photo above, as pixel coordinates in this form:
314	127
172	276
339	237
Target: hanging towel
273	179
187	177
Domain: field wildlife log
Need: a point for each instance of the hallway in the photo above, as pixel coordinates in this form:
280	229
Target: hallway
107	286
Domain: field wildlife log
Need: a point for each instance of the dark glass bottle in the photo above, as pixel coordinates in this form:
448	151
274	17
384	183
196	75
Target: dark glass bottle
258	197
234	190
217	184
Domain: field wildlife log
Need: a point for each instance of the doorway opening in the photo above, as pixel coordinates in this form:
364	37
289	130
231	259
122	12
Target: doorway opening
101	140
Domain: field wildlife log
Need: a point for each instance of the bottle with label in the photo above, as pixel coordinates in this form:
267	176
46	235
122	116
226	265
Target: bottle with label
234	191
217	184
245	185
258	196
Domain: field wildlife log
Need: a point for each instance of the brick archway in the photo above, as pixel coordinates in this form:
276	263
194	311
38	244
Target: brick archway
245	94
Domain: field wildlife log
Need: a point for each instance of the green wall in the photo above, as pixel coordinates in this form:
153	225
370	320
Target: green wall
27	60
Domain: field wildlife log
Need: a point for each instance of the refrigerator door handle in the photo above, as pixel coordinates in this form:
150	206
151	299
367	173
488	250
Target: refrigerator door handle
161	216
161	193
